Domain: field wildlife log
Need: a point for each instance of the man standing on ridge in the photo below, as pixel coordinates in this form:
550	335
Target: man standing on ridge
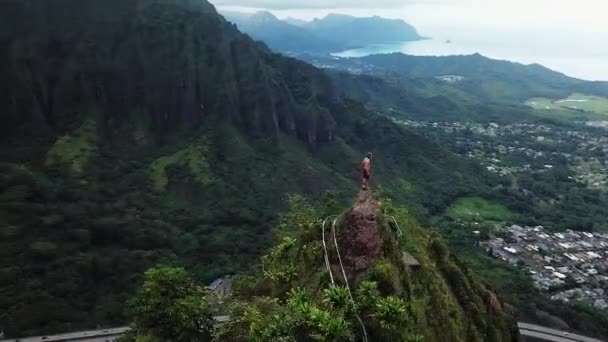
366	170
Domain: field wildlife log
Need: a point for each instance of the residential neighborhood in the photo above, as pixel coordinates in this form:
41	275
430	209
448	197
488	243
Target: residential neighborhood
546	165
508	149
570	266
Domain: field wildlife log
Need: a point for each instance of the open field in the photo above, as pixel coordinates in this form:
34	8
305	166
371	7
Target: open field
479	209
575	105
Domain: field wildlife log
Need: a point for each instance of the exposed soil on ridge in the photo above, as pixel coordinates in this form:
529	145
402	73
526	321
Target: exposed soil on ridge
360	242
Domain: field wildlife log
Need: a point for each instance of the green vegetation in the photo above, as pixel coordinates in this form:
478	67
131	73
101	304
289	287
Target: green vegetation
193	157
535	195
7	232
402	97
575	107
575	102
148	191
333	33
438	302
171	307
562	186
74	150
406	87
516	287
44	249
191	153
542	103
478	209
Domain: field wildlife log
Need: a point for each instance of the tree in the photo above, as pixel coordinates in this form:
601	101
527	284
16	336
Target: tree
171	307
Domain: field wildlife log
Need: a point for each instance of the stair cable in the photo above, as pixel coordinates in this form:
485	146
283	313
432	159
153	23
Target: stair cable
326	255
399	232
352	300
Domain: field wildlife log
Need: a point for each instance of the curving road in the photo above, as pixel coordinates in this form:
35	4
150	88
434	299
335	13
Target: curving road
112	334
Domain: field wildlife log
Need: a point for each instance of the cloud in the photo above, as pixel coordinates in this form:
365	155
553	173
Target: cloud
315	4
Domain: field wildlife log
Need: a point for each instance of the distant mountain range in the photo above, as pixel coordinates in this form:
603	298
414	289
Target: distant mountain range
335	32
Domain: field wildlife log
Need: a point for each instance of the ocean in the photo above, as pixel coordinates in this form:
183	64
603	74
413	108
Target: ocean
580	55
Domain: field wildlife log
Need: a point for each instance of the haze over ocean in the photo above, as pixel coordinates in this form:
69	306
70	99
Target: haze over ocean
571	38
575	54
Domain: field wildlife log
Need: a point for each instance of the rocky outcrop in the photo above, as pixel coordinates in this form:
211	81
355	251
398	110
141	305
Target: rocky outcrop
443	300
177	64
360	241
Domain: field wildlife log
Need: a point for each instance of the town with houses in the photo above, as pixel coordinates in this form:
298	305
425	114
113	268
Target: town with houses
573	266
569	266
508	149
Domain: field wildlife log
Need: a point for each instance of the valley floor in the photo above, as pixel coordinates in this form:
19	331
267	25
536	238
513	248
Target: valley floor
554	181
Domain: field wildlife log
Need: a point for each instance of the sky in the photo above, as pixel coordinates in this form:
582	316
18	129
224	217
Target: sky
570	36
571	15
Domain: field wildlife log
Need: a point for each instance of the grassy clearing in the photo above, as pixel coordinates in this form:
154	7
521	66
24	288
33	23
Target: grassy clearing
575	104
588	103
76	149
478	209
542	103
192	156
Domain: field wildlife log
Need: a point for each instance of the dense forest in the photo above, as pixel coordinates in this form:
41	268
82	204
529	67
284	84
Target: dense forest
141	132
295	296
460	116
485	90
406	89
145	132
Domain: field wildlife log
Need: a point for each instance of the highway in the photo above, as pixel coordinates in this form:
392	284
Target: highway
548	334
111	334
544	337
101	335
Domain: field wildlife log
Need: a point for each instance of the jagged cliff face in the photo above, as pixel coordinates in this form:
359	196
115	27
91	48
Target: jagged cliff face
179	63
140	71
137	132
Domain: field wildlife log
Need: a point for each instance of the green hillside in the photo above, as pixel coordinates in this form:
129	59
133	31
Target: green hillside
152	131
420	87
428	99
575	105
356	32
371	291
478	209
279	35
320	37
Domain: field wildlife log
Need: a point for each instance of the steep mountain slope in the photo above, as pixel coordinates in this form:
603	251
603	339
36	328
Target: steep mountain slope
355	32
403	284
145	131
419	98
280	35
453	87
332	33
